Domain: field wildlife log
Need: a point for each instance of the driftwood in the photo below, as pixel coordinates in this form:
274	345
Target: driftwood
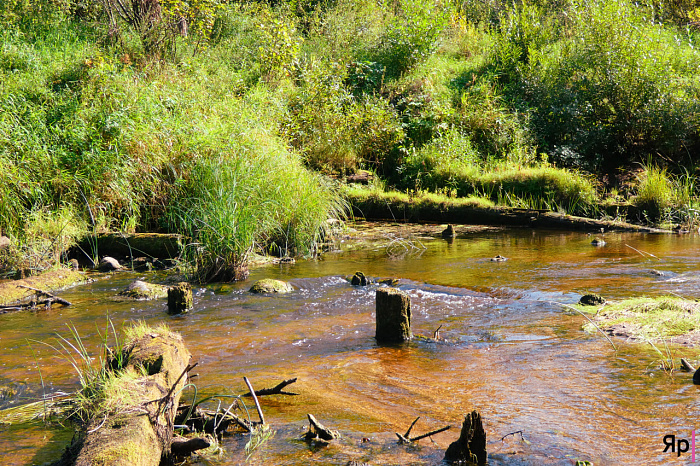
319	431
181	446
49	295
208	421
276	390
140	433
255	399
406	438
686	366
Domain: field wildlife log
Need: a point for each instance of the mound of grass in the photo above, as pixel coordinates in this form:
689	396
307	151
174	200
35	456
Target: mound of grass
651	319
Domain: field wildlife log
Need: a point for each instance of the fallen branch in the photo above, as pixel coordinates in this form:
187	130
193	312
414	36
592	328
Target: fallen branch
181	446
318	430
255	399
49	295
687	366
643	253
589	320
406	438
276	390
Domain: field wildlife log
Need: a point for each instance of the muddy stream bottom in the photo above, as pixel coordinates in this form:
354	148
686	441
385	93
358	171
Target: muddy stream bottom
510	351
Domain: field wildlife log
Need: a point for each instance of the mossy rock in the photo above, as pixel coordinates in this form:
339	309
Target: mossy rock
142	291
270	285
591	300
48	281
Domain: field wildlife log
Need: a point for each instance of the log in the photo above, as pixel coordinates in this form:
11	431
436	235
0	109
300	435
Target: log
18	290
139	432
181	447
393	309
471	445
319	431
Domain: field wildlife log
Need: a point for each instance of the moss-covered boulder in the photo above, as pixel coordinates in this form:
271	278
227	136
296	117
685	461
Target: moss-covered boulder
139	290
270	285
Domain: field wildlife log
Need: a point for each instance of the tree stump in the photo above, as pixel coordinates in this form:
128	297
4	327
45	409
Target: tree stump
471	445
393	309
180	298
448	232
358	279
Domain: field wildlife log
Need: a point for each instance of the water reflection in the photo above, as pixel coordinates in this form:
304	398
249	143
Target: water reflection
510	352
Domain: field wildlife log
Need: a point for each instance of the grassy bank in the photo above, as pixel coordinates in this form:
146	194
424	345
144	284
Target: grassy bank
665	318
225	130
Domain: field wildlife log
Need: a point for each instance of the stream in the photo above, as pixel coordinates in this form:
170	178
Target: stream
510	351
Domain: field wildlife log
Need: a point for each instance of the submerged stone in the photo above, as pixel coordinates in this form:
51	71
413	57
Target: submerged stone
142	291
448	232
591	300
499	258
270	285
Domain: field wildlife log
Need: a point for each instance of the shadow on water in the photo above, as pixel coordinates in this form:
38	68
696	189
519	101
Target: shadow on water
509	352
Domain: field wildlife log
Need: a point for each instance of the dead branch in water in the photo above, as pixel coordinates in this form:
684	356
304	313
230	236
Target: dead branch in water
589	320
255	399
49	295
406	439
276	390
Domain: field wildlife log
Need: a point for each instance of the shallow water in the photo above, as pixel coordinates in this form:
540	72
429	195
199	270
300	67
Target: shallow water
511	352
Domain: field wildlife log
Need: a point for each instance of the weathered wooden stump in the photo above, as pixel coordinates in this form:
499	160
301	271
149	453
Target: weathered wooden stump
448	232
358	279
393	309
139	432
471	445
180	298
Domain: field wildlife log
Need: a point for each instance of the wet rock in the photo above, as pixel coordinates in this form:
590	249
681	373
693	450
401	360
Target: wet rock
470	448
388	281
658	273
358	279
108	264
393	308
5	242
598	242
448	232
499	258
73	264
696	377
142	291
591	300
356	463
269	285
180	298
141	264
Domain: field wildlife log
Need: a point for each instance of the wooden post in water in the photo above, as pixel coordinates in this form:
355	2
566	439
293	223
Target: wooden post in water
180	298
393	316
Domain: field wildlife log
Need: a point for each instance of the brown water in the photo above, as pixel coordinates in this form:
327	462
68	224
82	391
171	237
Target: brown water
512	353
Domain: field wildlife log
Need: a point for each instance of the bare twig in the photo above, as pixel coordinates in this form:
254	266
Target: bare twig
415	439
408	432
687	366
643	253
589	320
255	399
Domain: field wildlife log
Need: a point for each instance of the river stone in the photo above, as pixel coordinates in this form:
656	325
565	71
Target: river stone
270	285
598	242
591	300
393	308
499	258
108	264
448	232
180	298
142	291
696	377
358	279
